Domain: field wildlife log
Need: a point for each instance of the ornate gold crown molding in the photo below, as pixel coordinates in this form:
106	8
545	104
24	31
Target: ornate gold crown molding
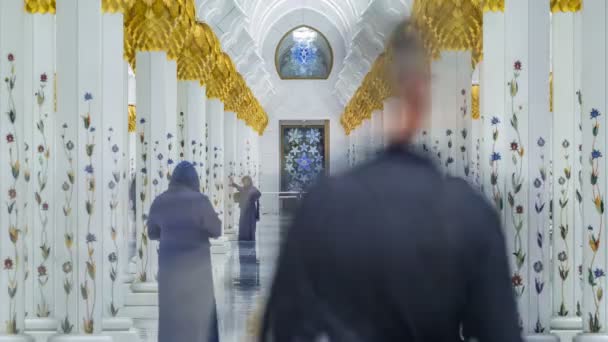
475	113
566	5
40	6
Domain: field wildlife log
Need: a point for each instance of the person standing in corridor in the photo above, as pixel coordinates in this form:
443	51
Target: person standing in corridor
392	250
249	202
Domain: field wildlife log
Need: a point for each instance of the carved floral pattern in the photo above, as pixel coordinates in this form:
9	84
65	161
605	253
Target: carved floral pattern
68	234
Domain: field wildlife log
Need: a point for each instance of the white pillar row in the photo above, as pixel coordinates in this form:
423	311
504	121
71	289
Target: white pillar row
13	172
38	249
80	103
230	169
492	107
215	119
594	109
377	138
567	239
191	121
528	134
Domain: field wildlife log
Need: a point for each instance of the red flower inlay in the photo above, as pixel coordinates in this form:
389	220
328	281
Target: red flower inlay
11	57
41	271
43	77
40	148
10	138
514	146
12	193
516	280
8	264
517	65
520	209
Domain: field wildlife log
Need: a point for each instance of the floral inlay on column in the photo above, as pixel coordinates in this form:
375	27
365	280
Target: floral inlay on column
156	183
68	233
218	182
425	147
114	188
449	160
169	159
142	249
494	161
88	288
437	151
517	181
231	175
563	255
44	154
464	133
579	195
12	262
182	142
594	273
541	224
478	163
207	160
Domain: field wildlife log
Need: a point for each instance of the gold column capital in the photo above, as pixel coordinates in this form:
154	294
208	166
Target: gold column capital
40	6
566	5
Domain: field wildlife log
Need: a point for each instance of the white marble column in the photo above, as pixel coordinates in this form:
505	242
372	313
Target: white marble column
114	182
255	152
377	138
80	100
492	95
594	109
230	168
464	146
366	139
528	135
215	119
39	250
14	172
567	251
191	126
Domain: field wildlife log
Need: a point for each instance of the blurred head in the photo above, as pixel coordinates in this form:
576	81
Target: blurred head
409	74
185	174
247	182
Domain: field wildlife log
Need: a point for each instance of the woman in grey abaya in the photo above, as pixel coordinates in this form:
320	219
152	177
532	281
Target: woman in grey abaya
183	220
249	197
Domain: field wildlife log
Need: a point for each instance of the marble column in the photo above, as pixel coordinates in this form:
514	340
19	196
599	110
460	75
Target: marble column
39	251
256	155
567	251
492	107
14	173
377	136
230	169
528	134
156	94
215	119
477	138
114	149
81	140
464	146
594	108
191	139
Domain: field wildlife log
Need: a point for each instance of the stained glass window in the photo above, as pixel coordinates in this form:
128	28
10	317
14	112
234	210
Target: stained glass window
303	156
304	53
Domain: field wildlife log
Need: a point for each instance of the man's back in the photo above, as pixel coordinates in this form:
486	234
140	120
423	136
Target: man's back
391	251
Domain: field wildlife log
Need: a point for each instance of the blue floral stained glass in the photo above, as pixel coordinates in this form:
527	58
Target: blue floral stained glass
303	157
304	53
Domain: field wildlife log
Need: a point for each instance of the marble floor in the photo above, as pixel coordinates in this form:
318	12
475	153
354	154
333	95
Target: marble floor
248	276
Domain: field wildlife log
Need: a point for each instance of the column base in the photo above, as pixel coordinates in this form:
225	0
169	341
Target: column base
16	338
80	338
219	245
567	323
147	287
586	337
120	329
541	338
40	324
231	236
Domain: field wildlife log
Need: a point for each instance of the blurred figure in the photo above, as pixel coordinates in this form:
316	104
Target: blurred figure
393	251
249	202
183	220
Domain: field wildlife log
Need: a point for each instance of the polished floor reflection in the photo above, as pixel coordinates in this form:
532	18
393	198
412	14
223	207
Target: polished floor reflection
248	276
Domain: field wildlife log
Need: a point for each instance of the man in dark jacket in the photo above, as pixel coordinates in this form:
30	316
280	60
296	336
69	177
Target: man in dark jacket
393	251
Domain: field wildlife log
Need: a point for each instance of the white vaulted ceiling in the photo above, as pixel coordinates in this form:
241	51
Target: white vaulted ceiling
249	31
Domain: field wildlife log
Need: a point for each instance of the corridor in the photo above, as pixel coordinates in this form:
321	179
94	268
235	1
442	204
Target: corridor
247	279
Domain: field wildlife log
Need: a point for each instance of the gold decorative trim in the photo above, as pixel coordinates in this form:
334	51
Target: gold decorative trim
40	6
566	5
132	118
475	114
493	5
116	6
276	55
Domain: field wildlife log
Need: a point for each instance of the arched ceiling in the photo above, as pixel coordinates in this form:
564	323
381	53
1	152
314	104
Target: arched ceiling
356	30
